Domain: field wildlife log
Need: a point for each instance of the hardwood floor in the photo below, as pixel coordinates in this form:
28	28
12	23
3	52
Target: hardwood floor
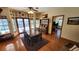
12	45
17	44
54	44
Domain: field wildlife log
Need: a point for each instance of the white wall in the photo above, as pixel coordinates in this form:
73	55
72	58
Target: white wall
68	31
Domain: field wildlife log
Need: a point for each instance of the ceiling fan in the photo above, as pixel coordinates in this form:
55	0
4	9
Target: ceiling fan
33	9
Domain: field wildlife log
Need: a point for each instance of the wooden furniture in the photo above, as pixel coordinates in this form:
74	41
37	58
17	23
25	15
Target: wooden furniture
44	25
6	37
31	39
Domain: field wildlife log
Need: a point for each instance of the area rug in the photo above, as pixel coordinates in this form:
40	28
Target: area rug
36	46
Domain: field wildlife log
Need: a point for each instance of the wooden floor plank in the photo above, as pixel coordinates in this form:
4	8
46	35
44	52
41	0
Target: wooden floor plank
17	44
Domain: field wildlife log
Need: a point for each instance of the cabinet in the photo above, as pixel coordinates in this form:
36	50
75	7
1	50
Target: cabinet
44	25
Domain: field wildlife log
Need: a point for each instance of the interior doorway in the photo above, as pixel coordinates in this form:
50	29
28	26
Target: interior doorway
57	25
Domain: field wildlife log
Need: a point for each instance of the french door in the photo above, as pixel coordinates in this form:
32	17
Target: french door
20	25
23	24
34	24
27	25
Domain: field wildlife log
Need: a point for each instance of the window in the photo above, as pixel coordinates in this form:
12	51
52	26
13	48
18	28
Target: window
32	23
37	23
4	26
20	24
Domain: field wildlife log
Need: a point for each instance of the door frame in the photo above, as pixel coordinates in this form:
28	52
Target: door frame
23	23
62	23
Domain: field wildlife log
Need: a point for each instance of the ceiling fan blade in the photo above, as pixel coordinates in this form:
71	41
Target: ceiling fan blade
31	8
35	10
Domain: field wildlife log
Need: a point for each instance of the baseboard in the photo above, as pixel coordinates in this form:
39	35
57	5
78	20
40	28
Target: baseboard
69	40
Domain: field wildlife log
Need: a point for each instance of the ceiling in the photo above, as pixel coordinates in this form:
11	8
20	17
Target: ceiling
40	9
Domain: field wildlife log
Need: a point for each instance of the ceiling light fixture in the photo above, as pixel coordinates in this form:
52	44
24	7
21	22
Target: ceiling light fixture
30	12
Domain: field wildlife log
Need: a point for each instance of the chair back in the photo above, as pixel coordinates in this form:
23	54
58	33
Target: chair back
26	35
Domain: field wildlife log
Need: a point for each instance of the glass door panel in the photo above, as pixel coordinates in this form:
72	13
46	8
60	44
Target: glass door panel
27	27
20	25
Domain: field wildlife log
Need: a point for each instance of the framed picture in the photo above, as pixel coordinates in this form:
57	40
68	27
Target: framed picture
73	21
